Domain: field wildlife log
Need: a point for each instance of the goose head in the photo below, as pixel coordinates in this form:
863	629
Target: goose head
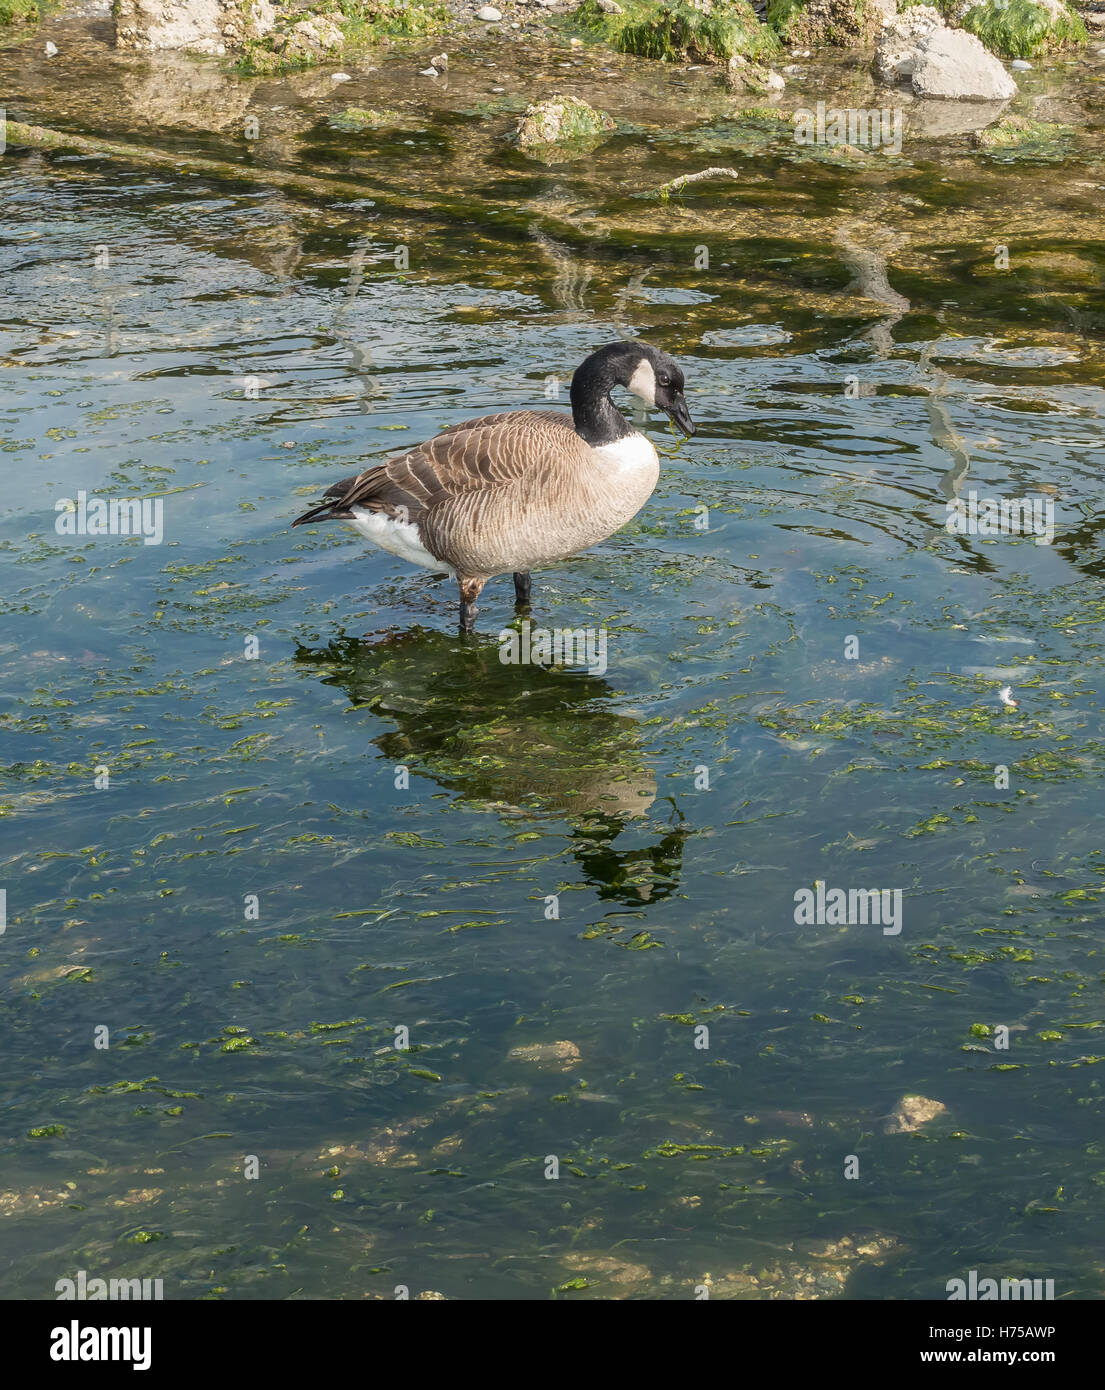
650	374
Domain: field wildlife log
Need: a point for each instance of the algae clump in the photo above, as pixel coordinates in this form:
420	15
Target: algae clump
676	30
18	11
1023	28
562	126
844	23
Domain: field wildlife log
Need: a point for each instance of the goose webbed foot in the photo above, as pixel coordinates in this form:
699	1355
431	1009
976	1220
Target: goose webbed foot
469	593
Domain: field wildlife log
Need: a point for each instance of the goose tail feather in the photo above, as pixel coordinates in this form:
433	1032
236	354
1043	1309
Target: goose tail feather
328	511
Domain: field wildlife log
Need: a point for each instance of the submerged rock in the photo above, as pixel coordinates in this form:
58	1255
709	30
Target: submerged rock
948	64
201	26
824	1272
362	118
562	121
1019	133
744	77
911	1113
562	1056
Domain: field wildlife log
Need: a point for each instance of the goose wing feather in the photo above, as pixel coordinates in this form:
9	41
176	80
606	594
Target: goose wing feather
480	455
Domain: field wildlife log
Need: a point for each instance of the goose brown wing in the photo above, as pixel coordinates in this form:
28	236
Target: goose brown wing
485	454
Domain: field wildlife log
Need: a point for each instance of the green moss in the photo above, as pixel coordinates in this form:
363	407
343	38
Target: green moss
361	118
676	31
563	125
844	23
374	19
1021	28
18	11
257	59
1016	137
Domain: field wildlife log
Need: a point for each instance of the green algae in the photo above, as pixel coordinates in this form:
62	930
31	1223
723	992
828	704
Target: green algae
1022	28
357	118
843	23
19	11
1017	139
676	30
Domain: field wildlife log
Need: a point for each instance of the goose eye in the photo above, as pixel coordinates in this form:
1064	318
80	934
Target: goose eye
663	380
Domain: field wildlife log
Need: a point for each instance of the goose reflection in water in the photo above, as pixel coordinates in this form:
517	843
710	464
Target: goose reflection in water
517	740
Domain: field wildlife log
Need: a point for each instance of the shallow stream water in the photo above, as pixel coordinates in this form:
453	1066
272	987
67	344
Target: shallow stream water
252	906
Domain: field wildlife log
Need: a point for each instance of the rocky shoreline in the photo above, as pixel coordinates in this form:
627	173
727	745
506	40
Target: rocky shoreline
939	70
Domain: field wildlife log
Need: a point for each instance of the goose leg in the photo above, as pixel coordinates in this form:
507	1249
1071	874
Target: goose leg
469	593
521	590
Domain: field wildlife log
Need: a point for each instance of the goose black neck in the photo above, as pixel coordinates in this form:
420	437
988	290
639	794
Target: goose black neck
595	416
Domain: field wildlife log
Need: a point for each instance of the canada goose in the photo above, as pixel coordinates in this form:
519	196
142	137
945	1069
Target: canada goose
503	494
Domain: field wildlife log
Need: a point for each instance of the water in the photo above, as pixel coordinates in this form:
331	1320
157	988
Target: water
256	902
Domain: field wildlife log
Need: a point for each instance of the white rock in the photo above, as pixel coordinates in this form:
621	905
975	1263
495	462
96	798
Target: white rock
1021	65
939	62
896	53
489	14
340	77
51	49
201	26
954	66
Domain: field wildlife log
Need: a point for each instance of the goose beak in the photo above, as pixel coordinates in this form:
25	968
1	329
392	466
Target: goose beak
681	415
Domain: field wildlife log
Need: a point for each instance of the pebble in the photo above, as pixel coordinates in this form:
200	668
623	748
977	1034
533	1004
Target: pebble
51	49
340	77
1021	65
562	1055
489	14
911	1113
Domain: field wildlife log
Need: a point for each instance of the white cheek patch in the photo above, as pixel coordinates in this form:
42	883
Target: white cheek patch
643	382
